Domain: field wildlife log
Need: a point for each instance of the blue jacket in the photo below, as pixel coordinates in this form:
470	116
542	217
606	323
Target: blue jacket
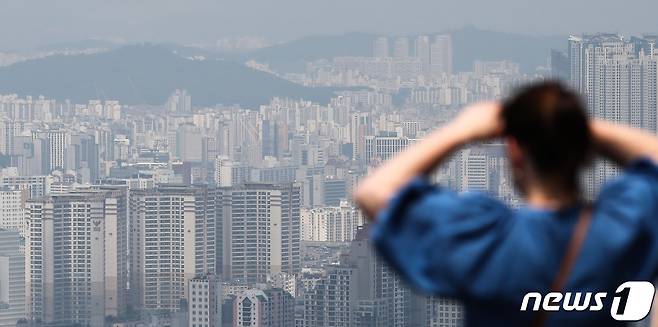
474	248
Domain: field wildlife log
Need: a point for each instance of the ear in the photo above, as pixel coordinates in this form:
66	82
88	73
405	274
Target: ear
515	153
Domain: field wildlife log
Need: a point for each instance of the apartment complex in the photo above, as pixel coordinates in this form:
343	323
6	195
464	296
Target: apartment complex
618	78
78	260
13	304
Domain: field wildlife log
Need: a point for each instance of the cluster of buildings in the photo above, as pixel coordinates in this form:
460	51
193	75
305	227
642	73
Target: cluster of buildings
175	215
617	76
419	69
184	216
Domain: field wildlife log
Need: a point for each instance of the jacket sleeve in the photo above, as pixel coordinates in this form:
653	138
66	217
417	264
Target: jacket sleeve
438	240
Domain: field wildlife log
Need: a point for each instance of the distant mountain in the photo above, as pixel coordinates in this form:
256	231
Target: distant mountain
147	74
469	44
293	55
79	45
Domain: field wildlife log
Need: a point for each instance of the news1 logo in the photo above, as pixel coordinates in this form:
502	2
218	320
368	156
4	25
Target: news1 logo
631	302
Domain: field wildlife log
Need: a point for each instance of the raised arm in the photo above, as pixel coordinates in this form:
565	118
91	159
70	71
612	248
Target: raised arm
477	122
623	144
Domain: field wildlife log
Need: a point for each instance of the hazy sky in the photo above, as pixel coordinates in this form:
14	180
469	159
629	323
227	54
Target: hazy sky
27	23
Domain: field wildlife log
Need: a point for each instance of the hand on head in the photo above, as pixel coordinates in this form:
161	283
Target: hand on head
481	121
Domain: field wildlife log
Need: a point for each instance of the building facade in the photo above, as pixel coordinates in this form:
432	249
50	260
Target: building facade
205	299
172	239
78	262
12	212
617	77
13	304
261	231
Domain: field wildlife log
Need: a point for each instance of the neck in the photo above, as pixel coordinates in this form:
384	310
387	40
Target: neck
547	197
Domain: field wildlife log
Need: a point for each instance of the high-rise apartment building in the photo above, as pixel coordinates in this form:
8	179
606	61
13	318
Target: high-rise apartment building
36	186
271	307
223	171
401	48
360	127
179	102
250	309
334	191
12	213
381	148
360	291
406	68
82	157
380	47
281	307
332	299
78	257
331	224
442	312
9	129
560	65
284	281
28	155
13	305
475	170
261	232
484	168
189	143
204	302
441	55
617	77
207	228
55	146
422	52
172	239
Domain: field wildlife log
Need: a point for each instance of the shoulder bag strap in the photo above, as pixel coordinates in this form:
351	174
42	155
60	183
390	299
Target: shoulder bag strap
569	259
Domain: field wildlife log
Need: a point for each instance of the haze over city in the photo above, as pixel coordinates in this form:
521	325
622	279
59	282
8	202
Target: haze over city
25	24
194	163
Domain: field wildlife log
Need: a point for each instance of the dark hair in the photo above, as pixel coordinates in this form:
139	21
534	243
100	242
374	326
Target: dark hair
550	123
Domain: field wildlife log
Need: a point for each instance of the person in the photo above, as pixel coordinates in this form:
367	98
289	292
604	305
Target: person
475	248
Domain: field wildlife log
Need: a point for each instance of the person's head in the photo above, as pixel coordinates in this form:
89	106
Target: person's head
548	136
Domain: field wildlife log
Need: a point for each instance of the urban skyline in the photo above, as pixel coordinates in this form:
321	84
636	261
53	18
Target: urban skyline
179	214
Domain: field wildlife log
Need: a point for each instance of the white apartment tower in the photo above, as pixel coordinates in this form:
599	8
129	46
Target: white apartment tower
189	143
13	306
12	212
441	55
475	170
36	186
331	224
360	126
422	52
378	149
172	239
272	307
223	171
401	48
204	304
250	309
78	259
284	281
617	77
56	144
261	232
179	102
9	129
380	47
